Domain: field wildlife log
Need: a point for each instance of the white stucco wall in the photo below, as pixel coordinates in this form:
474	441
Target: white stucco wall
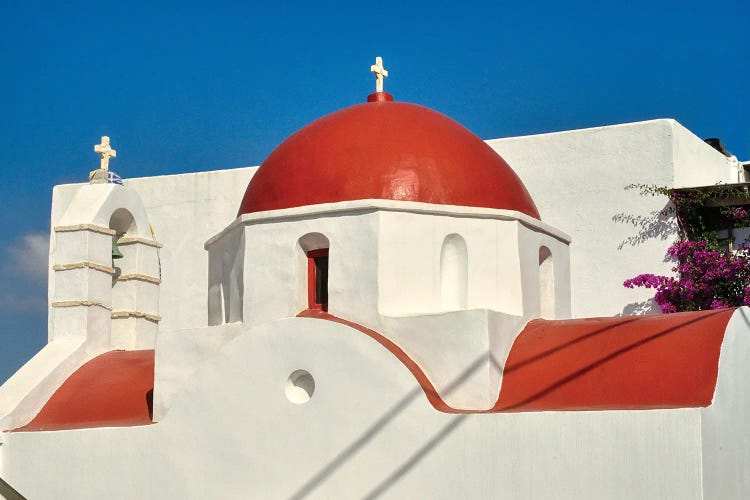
184	211
385	273
385	257
697	163
180	353
725	444
276	268
26	392
367	432
577	179
498	276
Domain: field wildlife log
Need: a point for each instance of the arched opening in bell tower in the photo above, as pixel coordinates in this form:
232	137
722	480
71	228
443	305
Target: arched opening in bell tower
122	223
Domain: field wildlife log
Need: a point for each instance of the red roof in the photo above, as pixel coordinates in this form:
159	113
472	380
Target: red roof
627	363
385	150
114	389
636	362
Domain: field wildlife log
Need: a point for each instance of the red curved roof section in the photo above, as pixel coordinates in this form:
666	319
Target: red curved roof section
114	389
645	362
385	150
630	363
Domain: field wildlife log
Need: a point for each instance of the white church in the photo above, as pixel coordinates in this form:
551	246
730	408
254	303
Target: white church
388	307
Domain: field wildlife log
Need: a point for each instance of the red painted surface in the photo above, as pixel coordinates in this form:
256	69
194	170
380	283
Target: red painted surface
385	150
632	363
312	303
114	389
379	97
666	361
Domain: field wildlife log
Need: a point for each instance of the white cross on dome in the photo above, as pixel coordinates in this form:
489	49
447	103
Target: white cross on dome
380	73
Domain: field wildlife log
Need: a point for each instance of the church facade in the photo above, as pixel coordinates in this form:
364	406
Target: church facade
387	307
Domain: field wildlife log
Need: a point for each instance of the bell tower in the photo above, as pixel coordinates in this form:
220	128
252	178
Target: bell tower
106	269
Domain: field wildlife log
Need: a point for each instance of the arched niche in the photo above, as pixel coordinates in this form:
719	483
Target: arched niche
546	284
453	273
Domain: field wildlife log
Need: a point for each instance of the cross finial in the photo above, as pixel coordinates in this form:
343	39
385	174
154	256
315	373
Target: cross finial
105	152
380	73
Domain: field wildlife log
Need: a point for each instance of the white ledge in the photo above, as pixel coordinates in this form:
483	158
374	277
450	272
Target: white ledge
135	314
81	303
139	277
85	264
130	240
85	227
392	206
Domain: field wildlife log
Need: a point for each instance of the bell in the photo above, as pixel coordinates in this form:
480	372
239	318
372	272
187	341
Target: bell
116	254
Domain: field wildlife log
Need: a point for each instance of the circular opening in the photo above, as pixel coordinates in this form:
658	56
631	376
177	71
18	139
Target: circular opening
299	387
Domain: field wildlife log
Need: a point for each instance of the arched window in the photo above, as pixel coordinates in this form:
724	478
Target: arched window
315	249
317	279
546	284
453	273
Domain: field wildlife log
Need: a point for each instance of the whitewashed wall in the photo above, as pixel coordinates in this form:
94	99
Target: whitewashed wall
367	432
500	275
386	271
185	210
577	179
725	445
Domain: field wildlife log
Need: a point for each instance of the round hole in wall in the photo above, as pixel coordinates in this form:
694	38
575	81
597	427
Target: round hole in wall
299	387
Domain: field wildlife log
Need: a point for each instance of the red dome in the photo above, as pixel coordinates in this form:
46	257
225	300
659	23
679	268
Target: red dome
385	150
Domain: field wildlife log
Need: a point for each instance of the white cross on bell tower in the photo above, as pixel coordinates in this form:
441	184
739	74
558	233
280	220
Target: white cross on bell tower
380	73
105	152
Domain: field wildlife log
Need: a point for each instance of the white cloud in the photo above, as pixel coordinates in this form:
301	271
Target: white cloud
29	257
23	275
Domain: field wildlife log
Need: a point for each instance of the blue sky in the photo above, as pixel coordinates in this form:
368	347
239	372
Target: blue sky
190	86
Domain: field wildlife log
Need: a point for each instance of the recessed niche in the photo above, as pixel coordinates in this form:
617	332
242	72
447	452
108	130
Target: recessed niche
299	387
